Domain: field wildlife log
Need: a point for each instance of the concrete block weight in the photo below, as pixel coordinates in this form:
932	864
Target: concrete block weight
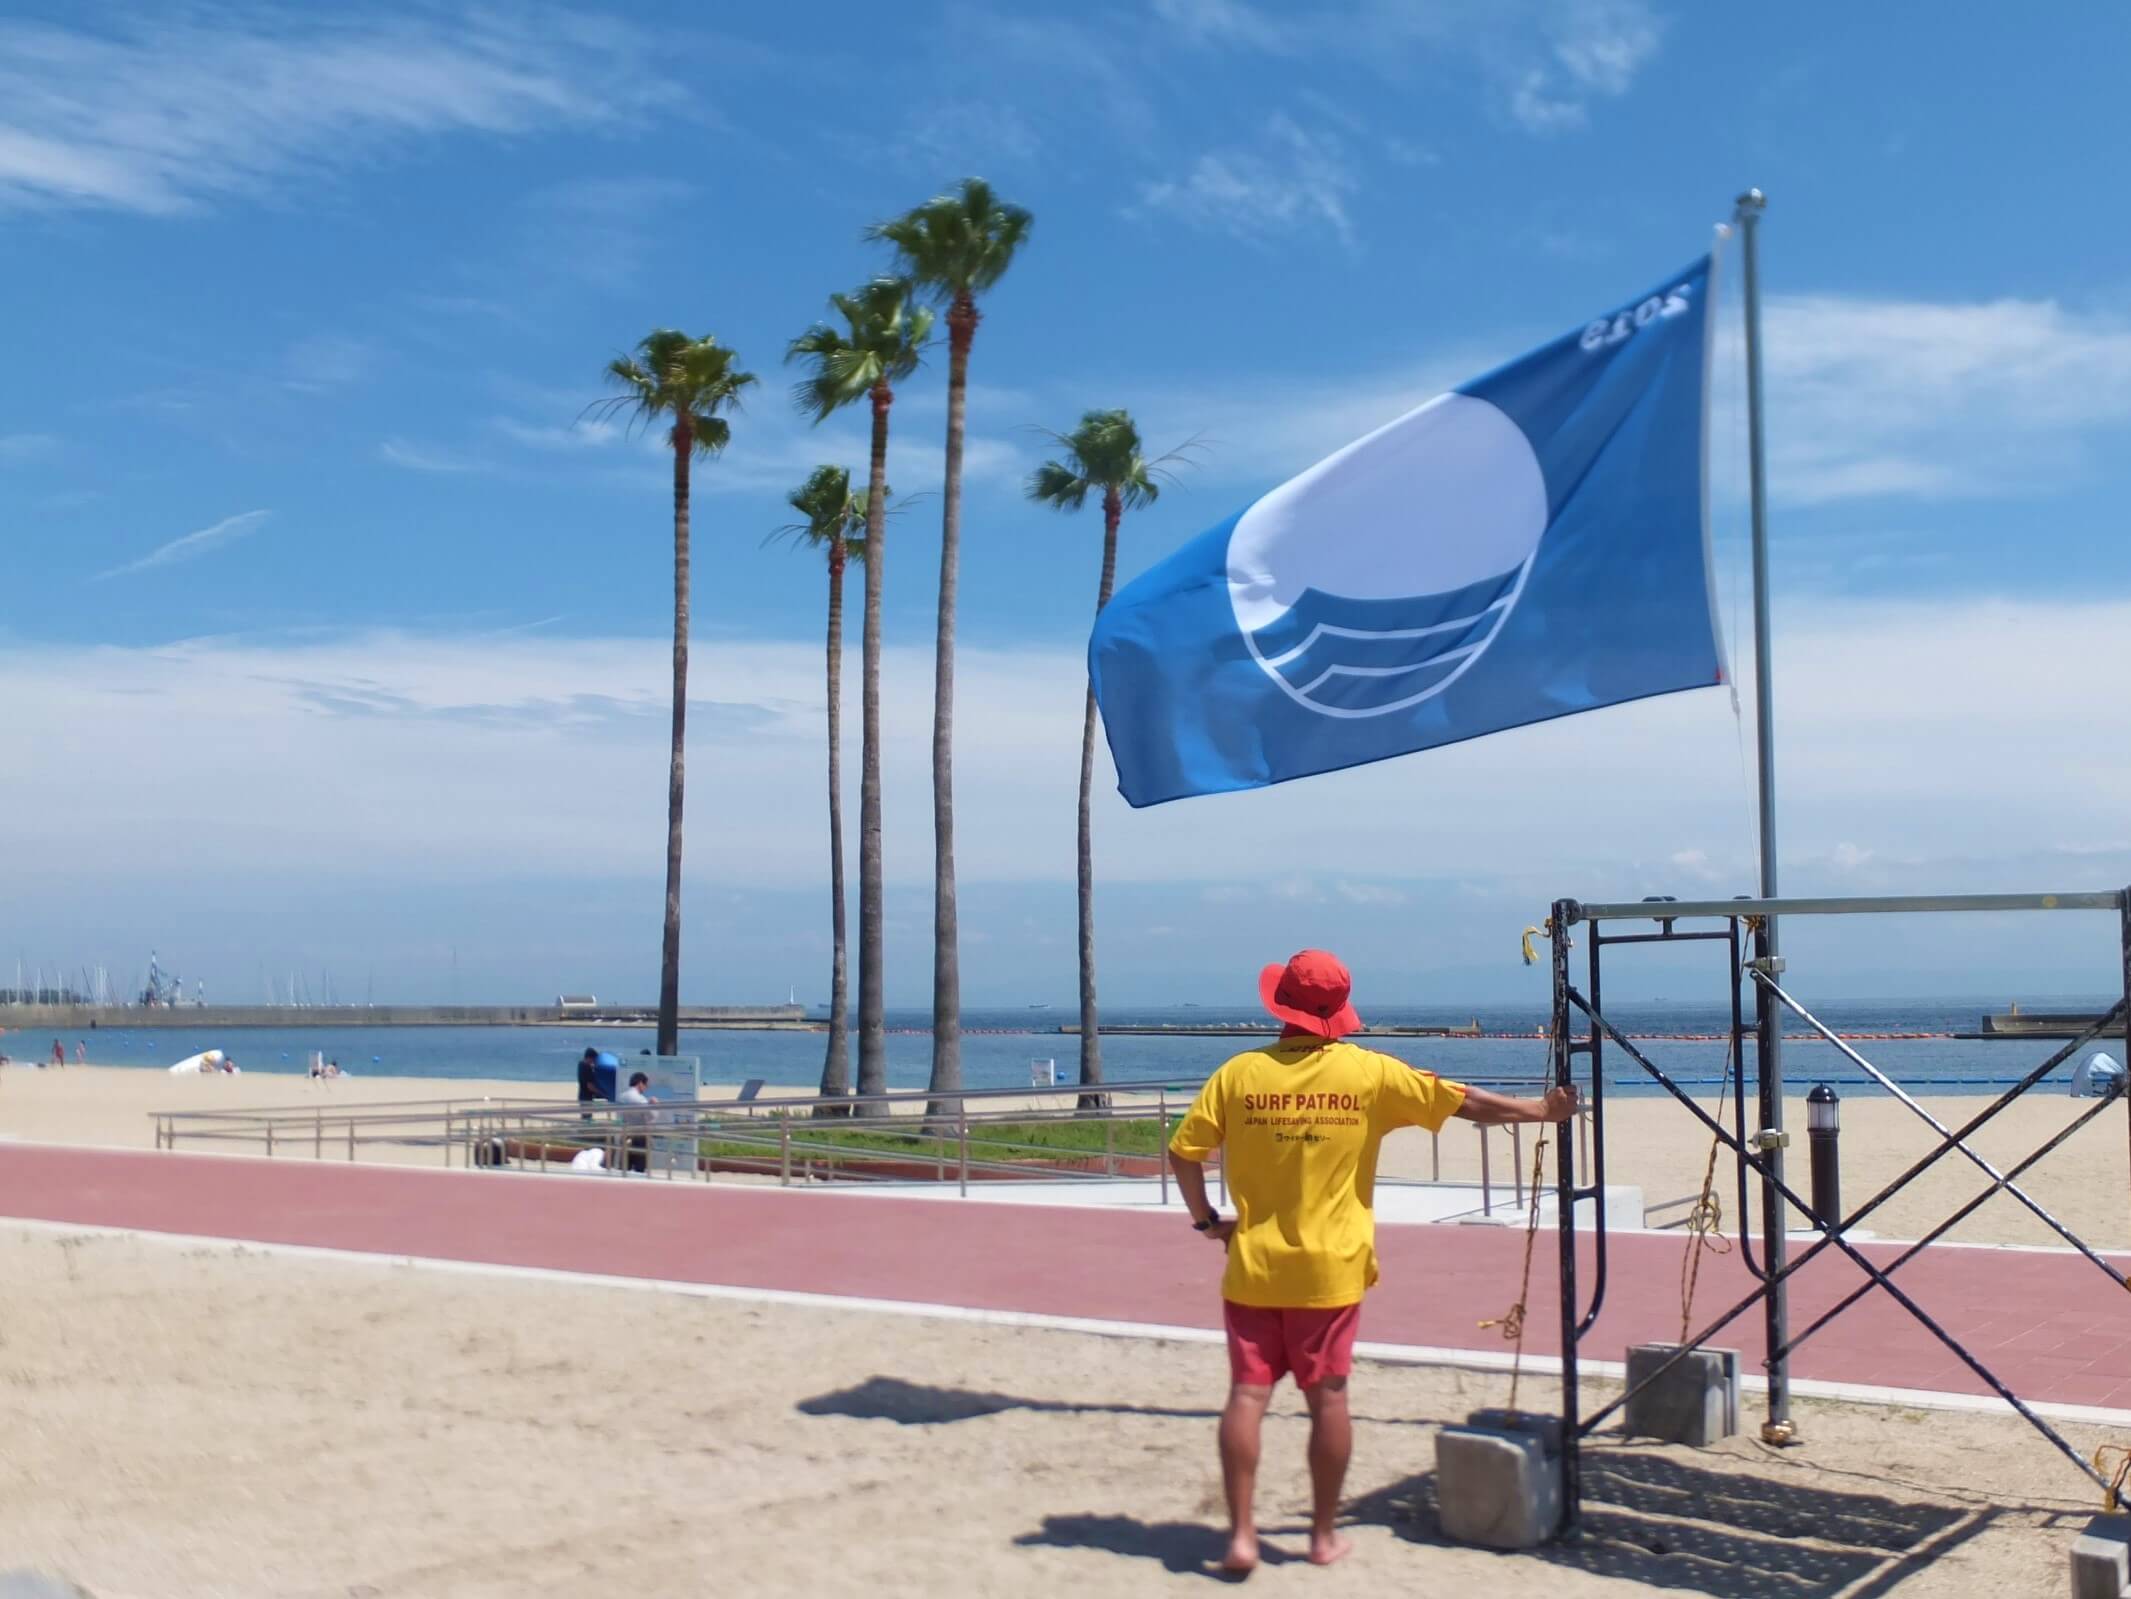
1695	1403
2101	1559
1499	1485
25	1584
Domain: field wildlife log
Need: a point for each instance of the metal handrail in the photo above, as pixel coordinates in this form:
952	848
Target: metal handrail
2111	899
792	1143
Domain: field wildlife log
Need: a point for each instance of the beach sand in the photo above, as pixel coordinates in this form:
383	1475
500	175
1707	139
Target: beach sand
1652	1143
187	1420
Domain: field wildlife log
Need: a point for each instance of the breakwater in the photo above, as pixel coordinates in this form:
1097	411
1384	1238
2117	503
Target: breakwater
74	1020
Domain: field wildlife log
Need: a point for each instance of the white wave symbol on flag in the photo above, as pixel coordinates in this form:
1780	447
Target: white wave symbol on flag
1377	578
1350	657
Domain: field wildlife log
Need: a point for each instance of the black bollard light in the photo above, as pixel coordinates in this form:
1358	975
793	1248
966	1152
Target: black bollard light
1823	1126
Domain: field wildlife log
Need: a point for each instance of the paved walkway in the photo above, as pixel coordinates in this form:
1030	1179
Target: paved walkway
2048	1323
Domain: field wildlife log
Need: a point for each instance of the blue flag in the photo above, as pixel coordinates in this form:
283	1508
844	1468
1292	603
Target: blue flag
1532	544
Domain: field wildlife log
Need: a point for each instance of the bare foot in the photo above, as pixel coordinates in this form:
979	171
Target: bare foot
1242	1557
1329	1547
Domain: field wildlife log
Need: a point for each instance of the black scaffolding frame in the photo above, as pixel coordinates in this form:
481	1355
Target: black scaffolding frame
1581	1034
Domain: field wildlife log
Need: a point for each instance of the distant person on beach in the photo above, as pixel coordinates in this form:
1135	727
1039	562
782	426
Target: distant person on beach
81	1053
637	1113
59	1053
1300	1123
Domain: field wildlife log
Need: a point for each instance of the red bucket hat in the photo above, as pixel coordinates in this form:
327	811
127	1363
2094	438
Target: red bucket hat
1311	992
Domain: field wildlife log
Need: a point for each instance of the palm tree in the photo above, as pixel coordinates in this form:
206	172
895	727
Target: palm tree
690	381
832	519
1102	455
881	344
954	247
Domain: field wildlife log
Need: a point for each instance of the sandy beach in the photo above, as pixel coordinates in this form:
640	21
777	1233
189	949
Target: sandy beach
1654	1144
190	1420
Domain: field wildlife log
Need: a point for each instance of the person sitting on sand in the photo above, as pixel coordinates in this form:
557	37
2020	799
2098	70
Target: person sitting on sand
1300	1124
634	1096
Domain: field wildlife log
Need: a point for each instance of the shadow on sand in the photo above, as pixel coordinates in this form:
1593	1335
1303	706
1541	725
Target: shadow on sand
914	1404
1667	1524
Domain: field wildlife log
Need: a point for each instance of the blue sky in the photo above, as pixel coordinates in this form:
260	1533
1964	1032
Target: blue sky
332	632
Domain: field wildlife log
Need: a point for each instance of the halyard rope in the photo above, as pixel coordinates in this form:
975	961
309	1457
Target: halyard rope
1705	1223
1512	1321
2113	1499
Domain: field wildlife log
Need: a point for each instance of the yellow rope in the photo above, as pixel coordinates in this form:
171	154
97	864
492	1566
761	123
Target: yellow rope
1512	1321
2113	1500
1705	1231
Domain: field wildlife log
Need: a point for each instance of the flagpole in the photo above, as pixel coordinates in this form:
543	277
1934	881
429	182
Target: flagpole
1768	1021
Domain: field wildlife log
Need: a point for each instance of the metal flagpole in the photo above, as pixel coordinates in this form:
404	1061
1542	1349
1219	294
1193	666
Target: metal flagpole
1768	1017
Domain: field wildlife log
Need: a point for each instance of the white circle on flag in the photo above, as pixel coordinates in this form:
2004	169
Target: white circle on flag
1376	578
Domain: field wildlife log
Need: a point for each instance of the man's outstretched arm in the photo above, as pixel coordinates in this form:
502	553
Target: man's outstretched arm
1498	1110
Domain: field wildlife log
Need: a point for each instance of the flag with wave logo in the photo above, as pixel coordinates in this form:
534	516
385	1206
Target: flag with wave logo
1532	544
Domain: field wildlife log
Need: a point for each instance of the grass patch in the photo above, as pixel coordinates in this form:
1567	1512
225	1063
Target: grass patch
823	1142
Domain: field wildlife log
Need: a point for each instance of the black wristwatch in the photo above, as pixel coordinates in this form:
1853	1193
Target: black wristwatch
1208	1224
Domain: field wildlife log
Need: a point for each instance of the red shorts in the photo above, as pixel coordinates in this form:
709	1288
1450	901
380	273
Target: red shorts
1265	1345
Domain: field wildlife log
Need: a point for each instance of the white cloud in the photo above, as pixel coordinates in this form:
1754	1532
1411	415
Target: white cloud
1601	46
166	112
1225	22
1537	107
1369	893
584	433
1694	864
191	546
427	457
1548	58
1867	399
16	448
980	134
1937	399
413	755
326	361
774	448
1292	179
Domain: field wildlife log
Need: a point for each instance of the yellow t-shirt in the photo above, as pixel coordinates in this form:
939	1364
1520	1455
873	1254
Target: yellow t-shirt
1302	1122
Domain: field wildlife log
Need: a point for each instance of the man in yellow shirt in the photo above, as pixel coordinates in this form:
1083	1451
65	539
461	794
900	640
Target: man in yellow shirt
1301	1123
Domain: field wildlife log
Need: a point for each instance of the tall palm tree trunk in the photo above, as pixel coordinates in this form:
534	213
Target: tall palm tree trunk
872	1020
1090	1016
669	1029
962	320
836	1065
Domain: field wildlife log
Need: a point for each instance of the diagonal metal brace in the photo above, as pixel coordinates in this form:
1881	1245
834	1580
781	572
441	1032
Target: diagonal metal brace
1832	1235
1956	1219
1999	1180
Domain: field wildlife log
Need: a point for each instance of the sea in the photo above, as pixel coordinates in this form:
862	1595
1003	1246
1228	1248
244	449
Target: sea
999	1047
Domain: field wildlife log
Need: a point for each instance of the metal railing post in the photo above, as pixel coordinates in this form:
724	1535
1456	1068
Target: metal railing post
269	1140
1487	1179
1161	1105
318	1137
962	1137
784	1151
1516	1163
1435	1157
1109	1148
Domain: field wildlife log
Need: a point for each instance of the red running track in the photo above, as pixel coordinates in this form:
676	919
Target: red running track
2049	1324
